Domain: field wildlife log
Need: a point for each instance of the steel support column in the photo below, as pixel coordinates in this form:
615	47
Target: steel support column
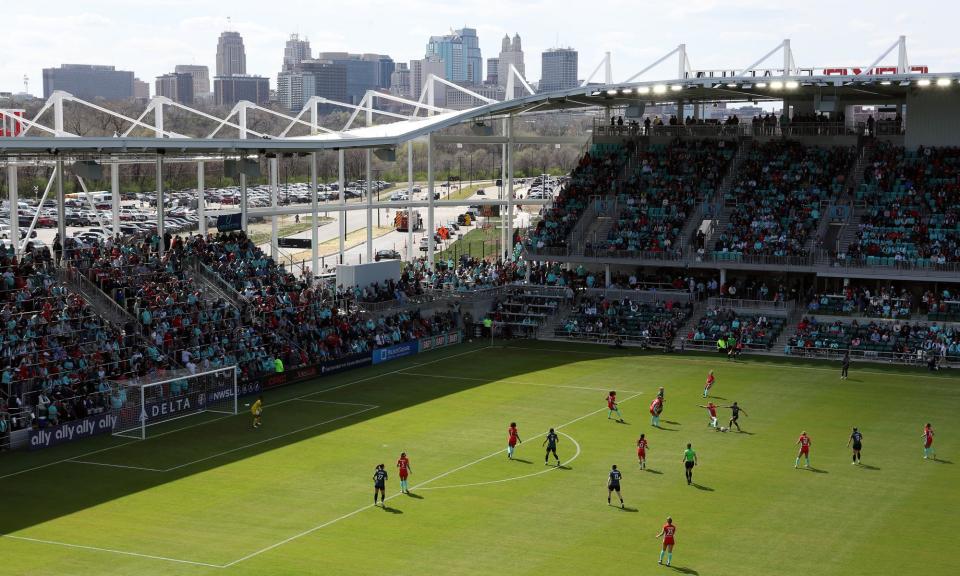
411	221
274	184
430	206
315	217
61	208
509	183
14	208
114	197
369	250
201	199
160	209
341	183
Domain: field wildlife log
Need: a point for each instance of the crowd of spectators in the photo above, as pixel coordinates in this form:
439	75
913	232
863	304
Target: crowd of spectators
900	340
885	302
777	197
913	206
57	355
657	198
597	317
596	174
751	331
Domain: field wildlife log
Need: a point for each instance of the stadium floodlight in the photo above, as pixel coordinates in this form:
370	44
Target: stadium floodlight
628	91
660	89
761	84
792	85
732	85
676	87
923	82
611	92
643	89
776	85
943	82
148	402
885	83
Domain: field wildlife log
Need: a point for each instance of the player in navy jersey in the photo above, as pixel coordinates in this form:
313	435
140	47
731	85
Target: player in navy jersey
856	441
379	484
613	484
551	443
735	411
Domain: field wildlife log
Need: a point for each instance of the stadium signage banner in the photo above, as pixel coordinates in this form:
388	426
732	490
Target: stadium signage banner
397	351
191	401
346	363
84	428
441	341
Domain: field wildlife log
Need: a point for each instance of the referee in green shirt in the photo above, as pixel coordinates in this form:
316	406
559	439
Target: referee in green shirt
689	461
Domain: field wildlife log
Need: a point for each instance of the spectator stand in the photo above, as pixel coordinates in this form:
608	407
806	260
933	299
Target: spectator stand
936	344
526	311
755	325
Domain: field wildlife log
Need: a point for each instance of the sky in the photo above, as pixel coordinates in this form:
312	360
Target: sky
150	38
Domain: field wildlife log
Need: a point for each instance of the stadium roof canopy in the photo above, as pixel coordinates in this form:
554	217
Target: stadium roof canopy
871	85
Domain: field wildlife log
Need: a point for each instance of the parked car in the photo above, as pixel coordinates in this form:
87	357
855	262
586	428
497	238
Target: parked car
386	255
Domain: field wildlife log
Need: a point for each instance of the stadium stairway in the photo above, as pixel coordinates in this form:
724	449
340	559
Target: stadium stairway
211	281
100	301
699	311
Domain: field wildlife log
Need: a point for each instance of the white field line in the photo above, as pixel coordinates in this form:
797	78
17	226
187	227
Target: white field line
75	461
270	439
693	360
511	381
502	480
112	551
391	497
91	453
338	403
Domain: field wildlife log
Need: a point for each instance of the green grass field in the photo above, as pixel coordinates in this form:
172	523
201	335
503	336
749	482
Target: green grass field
295	497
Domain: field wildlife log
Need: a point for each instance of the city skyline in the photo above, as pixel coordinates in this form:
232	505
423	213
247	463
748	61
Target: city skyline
187	33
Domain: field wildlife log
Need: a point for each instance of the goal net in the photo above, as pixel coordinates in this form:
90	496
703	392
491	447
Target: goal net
145	402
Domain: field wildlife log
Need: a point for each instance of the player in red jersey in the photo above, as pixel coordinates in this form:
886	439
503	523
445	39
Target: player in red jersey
804	442
404	469
667	532
710	381
612	406
642	446
928	442
712	409
656	408
513	438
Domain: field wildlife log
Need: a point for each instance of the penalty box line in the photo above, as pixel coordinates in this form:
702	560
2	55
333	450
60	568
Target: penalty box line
132	441
192	562
416	486
367	408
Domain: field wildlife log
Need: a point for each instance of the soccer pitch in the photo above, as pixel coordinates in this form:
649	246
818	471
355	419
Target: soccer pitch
211	495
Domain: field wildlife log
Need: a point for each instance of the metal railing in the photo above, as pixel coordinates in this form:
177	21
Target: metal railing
98	298
909	358
221	286
726	303
885	263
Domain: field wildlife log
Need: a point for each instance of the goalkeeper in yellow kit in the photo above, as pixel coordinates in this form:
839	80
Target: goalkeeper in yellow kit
257	410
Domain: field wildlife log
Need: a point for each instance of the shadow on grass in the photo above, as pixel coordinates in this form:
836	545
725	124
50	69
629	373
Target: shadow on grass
685	570
628	509
702	487
392	510
521	460
214	441
816	470
652	471
869	467
672	422
941	461
414	496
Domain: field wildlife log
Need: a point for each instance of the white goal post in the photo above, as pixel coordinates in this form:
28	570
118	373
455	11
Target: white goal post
141	403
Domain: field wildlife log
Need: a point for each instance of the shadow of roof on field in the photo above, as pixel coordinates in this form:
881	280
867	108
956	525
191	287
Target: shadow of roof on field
34	486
